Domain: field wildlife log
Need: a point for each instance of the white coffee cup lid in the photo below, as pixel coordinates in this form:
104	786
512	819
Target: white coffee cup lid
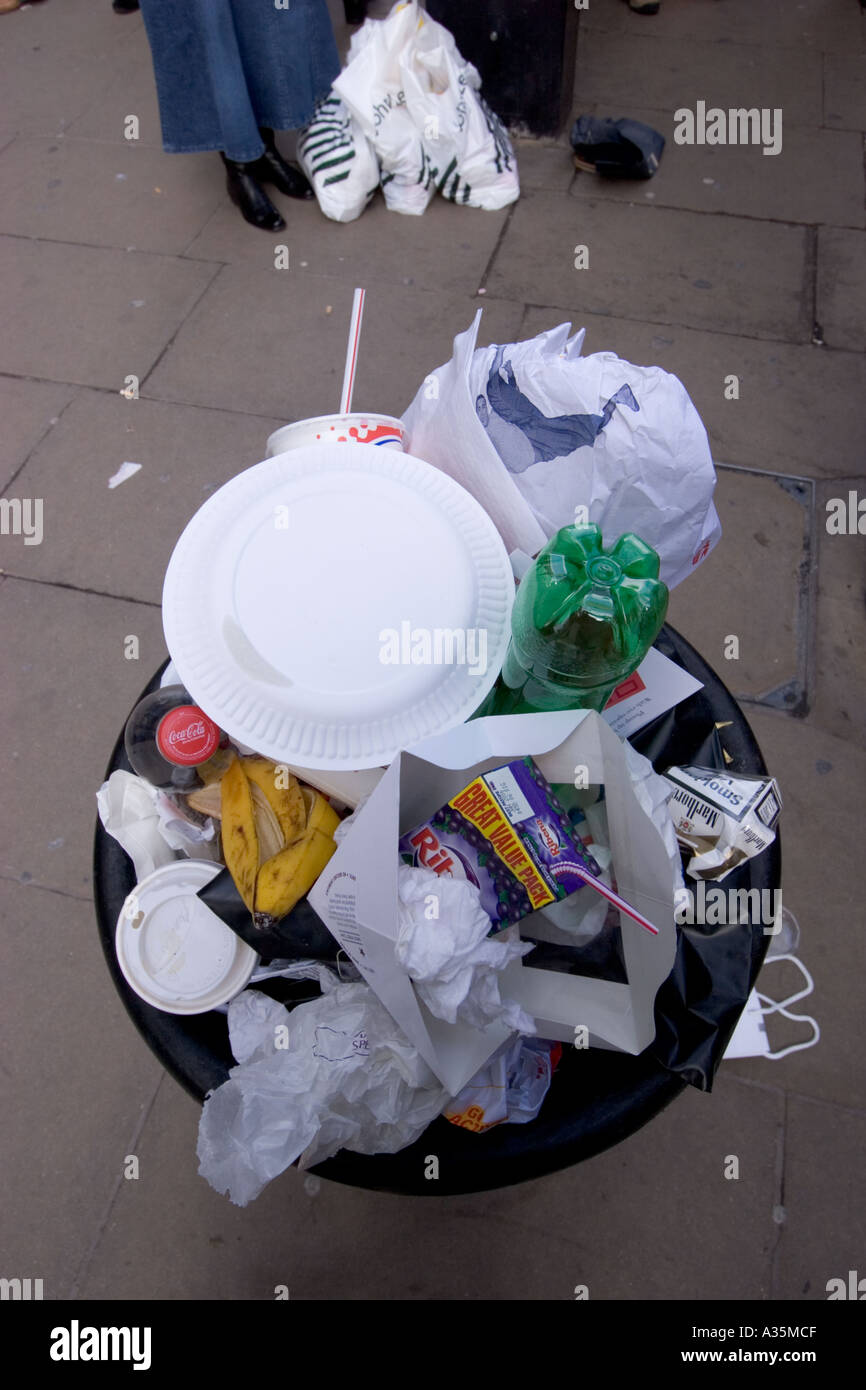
173	950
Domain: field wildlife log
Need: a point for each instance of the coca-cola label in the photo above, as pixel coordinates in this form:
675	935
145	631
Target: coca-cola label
186	736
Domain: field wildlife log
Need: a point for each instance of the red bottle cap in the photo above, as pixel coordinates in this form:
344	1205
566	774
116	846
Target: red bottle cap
186	736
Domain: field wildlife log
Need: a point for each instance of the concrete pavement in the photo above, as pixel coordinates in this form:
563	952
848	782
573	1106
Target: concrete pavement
116	259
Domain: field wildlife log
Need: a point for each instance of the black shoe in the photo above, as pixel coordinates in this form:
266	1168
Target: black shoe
247	194
272	168
124	6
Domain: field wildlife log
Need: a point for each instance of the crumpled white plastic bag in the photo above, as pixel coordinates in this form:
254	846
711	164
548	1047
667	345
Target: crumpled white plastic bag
535	431
452	961
335	1073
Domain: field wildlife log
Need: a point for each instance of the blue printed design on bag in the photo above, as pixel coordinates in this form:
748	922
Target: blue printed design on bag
522	435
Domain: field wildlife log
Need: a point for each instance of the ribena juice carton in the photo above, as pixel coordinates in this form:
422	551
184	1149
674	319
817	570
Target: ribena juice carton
506	833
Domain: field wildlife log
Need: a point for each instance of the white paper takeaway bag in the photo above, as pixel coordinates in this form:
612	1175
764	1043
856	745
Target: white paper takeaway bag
356	896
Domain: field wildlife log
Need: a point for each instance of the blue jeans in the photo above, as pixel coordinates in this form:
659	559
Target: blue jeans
224	68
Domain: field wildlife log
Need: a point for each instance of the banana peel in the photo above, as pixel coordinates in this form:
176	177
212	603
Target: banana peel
287	803
276	840
240	836
289	876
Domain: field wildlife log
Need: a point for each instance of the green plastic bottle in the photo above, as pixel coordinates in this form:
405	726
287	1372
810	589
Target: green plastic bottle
583	620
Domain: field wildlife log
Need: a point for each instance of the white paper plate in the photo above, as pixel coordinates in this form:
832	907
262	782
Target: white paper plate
281	589
174	952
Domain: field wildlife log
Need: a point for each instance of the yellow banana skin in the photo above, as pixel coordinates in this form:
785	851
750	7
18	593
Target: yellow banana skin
320	813
287	802
252	832
289	876
239	838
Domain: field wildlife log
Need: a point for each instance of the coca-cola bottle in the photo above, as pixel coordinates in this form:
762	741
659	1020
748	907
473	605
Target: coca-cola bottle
172	743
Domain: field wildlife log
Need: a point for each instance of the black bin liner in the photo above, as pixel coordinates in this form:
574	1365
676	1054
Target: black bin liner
699	1004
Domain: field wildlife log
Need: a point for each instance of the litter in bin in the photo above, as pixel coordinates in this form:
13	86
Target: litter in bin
335	1073
510	1089
722	818
543	437
443	945
506	833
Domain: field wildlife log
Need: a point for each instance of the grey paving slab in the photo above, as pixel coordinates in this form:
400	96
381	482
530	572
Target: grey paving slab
845	91
824	1232
28	410
821	777
840	636
106	194
90	316
799	406
274	342
729	275
647	69
841	303
184	454
742	181
446	249
747	588
610	1224
809	23
66	688
544	163
56	60
74	1077
131	91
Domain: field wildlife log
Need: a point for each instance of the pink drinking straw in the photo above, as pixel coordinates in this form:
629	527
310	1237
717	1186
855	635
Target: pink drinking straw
613	897
352	352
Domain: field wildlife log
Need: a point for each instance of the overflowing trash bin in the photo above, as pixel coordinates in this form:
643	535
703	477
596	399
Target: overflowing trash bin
354	906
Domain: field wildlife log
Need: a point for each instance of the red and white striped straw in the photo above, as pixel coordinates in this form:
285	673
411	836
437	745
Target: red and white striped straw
352	352
614	898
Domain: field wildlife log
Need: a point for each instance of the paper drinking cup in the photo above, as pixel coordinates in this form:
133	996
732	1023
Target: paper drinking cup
354	428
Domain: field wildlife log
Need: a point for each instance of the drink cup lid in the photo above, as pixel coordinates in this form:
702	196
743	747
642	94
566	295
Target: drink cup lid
173	951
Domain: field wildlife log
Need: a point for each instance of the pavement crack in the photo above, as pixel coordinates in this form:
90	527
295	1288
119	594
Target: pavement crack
499	240
101	1226
779	1213
46	888
79	589
52	424
187	316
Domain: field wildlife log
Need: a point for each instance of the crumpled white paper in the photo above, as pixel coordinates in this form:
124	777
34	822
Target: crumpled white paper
335	1073
450	958
146	823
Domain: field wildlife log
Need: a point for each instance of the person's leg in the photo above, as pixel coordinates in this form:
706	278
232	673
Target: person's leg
203	98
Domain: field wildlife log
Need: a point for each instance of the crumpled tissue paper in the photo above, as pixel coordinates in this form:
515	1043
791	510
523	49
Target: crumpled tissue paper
147	824
450	959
